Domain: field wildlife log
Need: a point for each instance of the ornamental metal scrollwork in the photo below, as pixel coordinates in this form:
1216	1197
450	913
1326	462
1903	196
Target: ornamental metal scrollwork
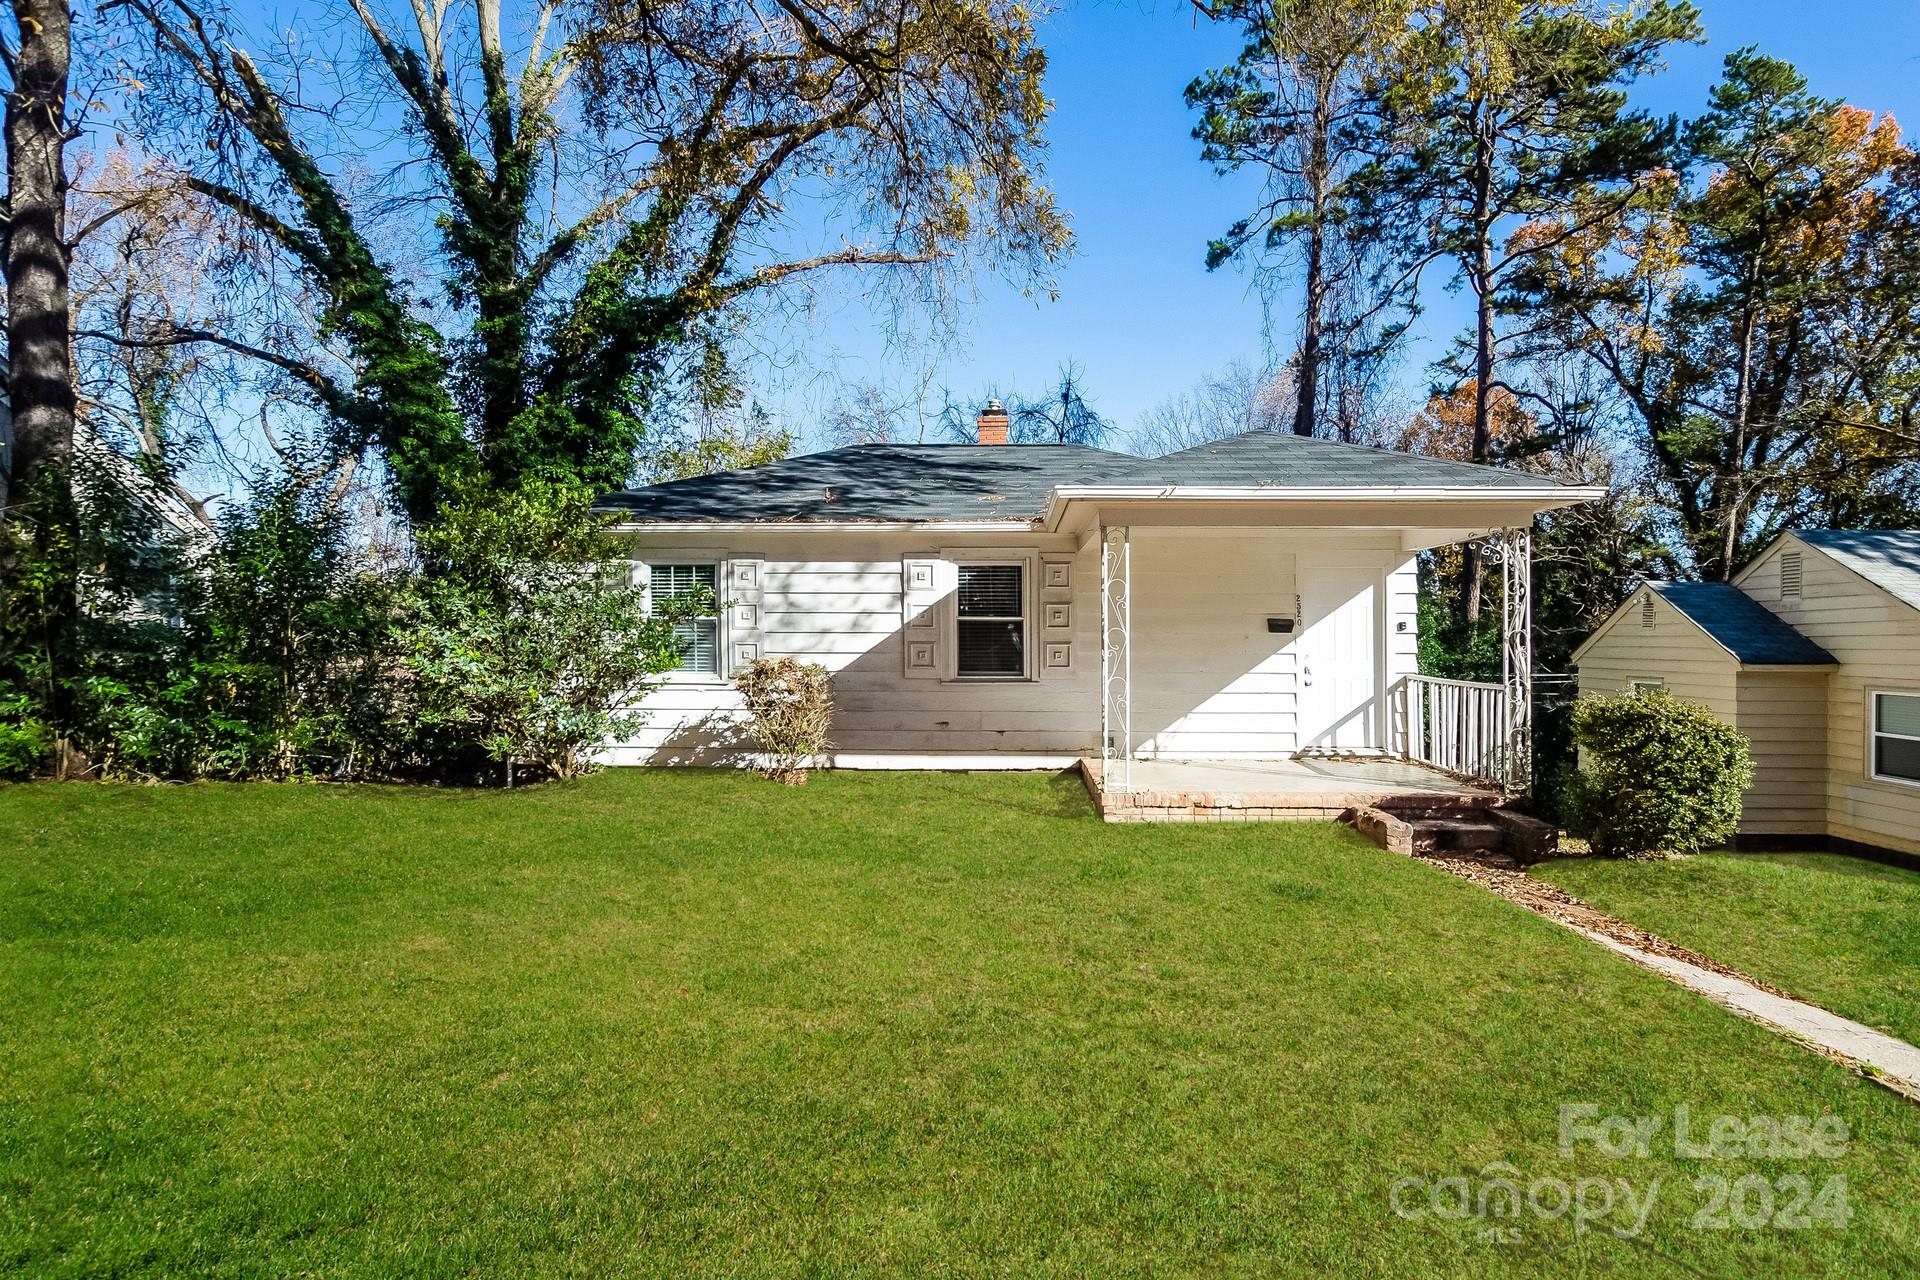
1116	656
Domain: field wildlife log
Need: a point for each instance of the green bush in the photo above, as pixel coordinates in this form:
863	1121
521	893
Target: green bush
520	649
1657	775
24	741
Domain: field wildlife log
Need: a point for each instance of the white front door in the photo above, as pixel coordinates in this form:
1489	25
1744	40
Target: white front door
1336	657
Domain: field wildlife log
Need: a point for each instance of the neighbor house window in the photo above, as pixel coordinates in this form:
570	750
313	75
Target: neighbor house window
991	621
1896	736
1648	686
699	637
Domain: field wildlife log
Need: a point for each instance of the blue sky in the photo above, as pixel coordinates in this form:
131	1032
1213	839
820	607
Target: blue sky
1137	308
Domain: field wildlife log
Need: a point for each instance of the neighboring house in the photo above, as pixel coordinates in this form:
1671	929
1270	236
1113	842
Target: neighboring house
96	463
1024	605
1813	652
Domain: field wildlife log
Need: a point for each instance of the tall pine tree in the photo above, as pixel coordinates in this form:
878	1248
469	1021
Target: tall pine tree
1500	115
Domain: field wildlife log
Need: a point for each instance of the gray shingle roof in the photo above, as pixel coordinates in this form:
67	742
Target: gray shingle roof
878	482
1742	625
1888	558
1284	460
1012	482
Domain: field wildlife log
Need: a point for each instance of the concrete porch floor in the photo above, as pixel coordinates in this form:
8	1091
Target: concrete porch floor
1262	790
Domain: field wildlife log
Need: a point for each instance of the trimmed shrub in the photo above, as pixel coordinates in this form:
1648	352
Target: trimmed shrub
1657	775
791	708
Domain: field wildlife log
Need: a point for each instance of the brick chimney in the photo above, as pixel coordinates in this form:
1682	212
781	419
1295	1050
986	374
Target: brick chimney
992	423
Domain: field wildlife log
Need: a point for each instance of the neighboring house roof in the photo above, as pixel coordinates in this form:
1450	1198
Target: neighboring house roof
942	482
1741	625
1888	558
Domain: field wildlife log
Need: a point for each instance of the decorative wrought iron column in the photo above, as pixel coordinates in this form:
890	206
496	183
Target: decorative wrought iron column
1516	655
1116	656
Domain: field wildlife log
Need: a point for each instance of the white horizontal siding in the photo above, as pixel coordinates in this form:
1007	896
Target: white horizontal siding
1208	677
845	613
1876	641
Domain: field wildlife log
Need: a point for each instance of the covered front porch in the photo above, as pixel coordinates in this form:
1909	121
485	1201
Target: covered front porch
1332	657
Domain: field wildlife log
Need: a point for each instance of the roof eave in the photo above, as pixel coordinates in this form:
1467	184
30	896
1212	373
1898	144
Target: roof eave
1542	497
1014	524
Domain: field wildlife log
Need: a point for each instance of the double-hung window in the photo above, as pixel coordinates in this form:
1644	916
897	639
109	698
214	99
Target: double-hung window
1896	737
991	621
699	636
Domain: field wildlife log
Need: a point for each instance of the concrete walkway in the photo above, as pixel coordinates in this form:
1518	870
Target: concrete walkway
1876	1055
1892	1062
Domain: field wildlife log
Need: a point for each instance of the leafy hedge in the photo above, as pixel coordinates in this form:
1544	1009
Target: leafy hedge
1657	775
504	648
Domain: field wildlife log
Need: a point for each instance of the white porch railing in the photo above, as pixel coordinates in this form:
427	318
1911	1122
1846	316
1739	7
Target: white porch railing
1455	725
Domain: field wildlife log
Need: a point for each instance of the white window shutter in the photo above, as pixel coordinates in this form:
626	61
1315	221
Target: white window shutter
925	583
742	601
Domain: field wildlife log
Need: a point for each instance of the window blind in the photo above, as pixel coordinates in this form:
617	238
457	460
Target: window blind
1896	736
991	621
699	638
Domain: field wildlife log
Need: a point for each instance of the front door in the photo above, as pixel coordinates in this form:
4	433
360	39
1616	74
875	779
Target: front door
1336	657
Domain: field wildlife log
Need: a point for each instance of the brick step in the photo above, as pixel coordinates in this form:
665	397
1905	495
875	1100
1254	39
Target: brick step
1456	835
1462	829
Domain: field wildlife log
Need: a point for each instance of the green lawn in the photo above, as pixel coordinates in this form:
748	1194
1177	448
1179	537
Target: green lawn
1839	931
695	1024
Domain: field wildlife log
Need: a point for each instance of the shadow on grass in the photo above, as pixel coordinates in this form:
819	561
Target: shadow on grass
1065	797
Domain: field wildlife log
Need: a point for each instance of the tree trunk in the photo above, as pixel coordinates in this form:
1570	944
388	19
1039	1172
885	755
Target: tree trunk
40	373
1728	492
1473	570
1307	377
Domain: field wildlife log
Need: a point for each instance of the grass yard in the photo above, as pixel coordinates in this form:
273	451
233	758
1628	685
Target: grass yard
1839	931
886	1025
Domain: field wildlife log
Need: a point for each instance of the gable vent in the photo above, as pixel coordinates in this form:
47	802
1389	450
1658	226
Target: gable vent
1646	611
1790	570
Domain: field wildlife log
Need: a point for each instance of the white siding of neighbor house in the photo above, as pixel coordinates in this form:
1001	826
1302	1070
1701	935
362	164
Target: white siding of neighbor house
1673	651
1208	678
1876	639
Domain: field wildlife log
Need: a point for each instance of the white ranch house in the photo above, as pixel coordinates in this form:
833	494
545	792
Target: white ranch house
1027	606
1813	652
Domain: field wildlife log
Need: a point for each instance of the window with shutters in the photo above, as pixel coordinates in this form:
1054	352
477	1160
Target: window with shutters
990	622
1896	737
699	636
